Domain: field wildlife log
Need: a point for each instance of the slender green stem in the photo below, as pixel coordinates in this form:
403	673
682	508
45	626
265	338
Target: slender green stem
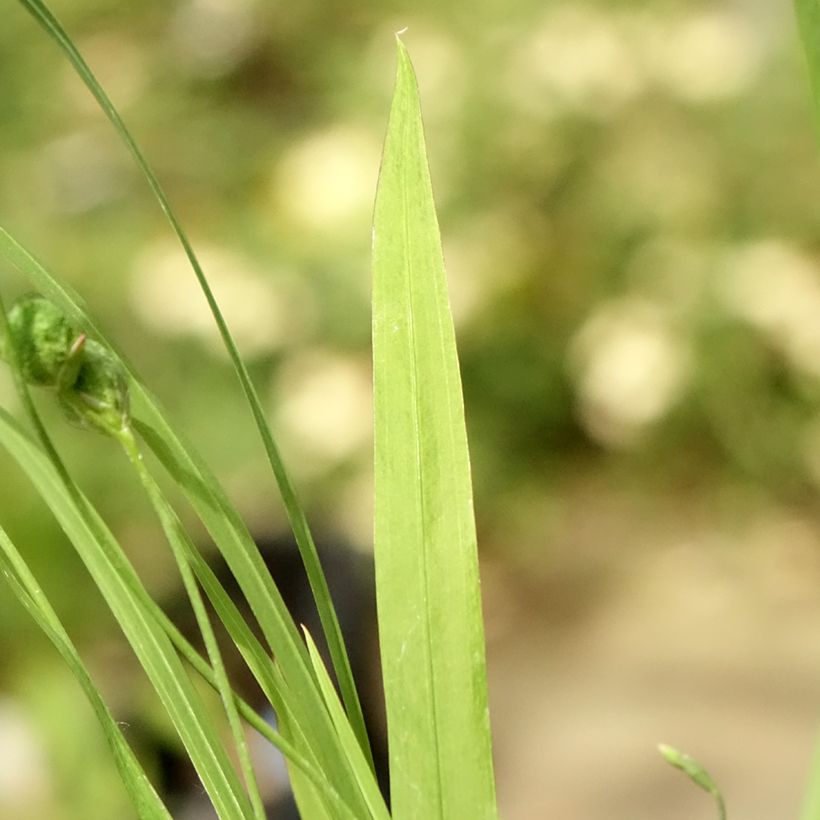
295	512
176	535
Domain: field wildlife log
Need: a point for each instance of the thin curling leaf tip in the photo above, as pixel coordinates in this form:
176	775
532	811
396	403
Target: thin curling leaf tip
689	766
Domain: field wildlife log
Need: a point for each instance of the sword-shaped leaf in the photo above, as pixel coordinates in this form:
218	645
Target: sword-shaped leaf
429	602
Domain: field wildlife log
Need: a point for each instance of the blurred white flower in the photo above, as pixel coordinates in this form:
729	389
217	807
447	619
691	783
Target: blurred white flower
594	60
486	257
776	288
328	179
629	366
705	55
24	773
264	311
578	58
81	171
211	37
324	408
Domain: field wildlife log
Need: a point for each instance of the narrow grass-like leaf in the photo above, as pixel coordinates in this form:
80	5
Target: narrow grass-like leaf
22	582
364	776
258	662
152	647
304	540
228	531
811	799
182	548
97	538
429	602
316	803
808	20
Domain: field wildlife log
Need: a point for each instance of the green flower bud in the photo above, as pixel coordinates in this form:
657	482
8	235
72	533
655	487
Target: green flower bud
44	339
98	398
91	386
695	772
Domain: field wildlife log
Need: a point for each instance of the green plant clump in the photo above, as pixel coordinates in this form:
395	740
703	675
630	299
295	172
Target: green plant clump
427	585
440	754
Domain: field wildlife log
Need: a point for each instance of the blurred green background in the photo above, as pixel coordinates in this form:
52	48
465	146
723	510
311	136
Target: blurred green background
628	194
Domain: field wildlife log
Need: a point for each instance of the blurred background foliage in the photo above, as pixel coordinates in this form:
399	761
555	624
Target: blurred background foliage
628	198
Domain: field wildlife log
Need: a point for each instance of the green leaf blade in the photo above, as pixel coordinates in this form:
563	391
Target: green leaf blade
429	603
364	775
23	584
808	21
811	799
97	548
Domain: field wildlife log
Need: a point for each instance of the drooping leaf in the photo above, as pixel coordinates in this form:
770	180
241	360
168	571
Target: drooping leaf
22	582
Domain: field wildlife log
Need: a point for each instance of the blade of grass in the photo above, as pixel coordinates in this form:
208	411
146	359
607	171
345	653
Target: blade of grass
429	603
808	22
250	648
181	547
294	510
364	776
22	582
21	448
225	526
76	525
311	803
811	800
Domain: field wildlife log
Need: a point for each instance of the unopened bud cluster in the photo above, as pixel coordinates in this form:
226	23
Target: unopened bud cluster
51	351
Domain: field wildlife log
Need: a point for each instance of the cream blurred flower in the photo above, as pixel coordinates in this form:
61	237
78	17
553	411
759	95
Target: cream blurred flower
264	310
324	408
210	37
702	56
24	774
327	180
629	366
579	59
775	287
